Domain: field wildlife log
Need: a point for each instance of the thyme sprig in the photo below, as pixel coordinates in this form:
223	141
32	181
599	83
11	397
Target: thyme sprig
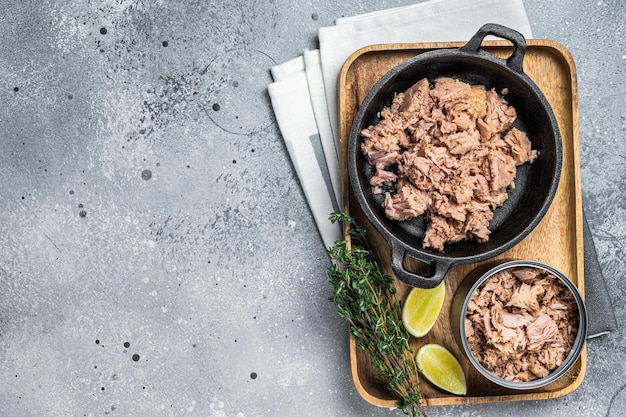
365	299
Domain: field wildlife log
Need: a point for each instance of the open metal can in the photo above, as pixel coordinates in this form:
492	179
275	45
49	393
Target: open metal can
469	287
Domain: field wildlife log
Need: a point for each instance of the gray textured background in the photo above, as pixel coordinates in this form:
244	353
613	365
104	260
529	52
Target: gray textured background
147	198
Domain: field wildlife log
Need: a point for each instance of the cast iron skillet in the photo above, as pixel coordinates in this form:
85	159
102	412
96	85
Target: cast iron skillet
535	184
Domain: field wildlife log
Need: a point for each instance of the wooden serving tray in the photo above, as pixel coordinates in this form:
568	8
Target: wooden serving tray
557	240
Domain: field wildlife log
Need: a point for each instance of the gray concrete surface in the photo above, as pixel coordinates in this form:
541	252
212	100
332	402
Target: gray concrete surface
157	257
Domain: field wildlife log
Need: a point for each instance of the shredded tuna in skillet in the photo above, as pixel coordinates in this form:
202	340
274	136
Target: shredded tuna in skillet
521	323
441	151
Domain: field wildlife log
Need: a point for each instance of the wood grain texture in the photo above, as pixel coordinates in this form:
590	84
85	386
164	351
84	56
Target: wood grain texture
557	240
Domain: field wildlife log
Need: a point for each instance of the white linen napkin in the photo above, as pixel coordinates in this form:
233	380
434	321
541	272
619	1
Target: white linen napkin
304	91
295	116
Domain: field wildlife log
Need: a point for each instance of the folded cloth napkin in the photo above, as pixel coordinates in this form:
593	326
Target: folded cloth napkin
302	139
601	318
304	99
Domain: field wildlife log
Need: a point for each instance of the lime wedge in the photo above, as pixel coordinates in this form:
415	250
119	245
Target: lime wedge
441	368
421	309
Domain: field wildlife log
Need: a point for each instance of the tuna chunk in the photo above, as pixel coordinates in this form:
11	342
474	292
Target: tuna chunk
541	331
514	320
410	202
478	102
451	94
417	100
383	177
462	142
485	129
443	206
478	219
462	121
500	116
525	275
538	369
526	297
502	170
520	147
441	230
460	190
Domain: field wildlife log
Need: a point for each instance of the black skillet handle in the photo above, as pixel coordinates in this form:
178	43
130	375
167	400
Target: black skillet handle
438	269
516	59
